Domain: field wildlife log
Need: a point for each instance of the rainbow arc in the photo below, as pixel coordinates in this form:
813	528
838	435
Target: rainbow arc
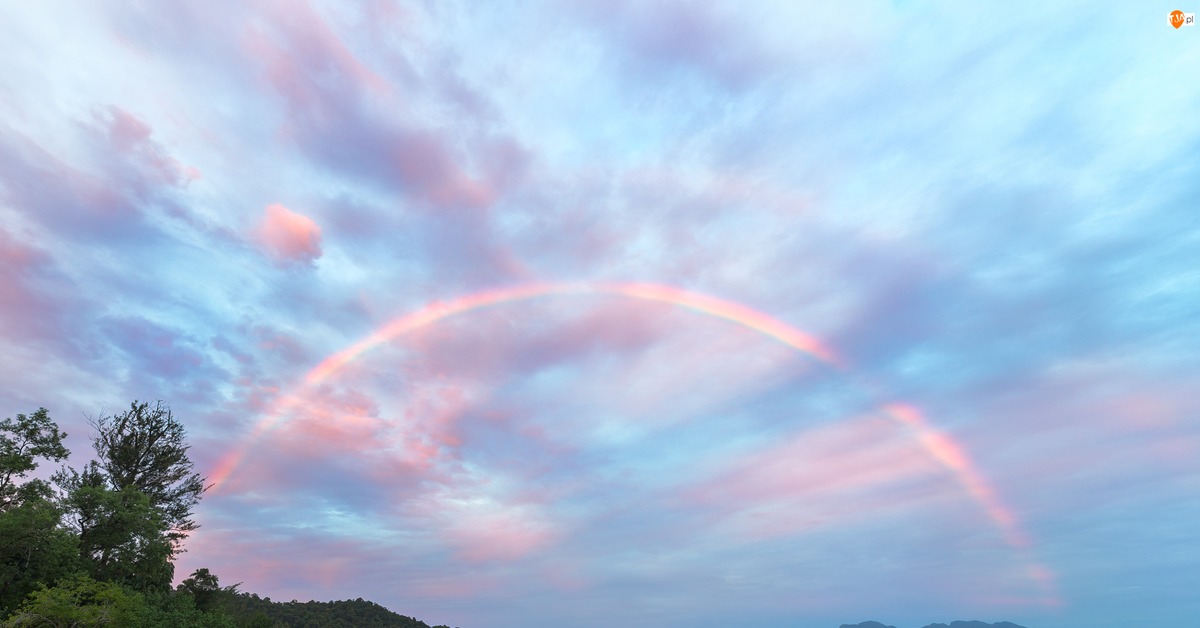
939	445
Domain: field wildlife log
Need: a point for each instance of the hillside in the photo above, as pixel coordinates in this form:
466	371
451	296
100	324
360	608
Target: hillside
250	610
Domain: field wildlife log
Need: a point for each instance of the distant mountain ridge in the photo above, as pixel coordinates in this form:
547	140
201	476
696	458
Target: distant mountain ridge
975	624
954	624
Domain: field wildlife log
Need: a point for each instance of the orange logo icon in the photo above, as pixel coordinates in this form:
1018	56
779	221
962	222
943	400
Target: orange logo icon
1176	18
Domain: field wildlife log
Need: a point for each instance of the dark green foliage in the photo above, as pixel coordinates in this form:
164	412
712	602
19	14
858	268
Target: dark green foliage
120	532
178	608
132	507
257	620
144	448
99	552
250	610
22	443
205	589
81	601
34	550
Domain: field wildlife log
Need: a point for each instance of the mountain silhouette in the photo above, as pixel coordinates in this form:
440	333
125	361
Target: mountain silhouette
956	624
975	624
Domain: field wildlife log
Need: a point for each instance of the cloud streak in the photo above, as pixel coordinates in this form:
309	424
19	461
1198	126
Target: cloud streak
667	313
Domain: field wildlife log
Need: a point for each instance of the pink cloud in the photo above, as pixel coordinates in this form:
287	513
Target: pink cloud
302	50
288	236
148	163
29	289
502	535
331	96
1052	439
125	131
822	476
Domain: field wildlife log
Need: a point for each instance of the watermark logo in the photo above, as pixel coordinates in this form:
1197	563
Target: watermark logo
1179	18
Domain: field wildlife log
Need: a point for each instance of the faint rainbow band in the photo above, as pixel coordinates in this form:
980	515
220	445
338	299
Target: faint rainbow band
939	445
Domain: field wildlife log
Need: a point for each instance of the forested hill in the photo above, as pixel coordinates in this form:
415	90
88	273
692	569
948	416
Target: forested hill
250	610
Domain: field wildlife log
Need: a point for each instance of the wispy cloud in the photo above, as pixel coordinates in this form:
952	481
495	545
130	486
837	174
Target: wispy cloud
983	212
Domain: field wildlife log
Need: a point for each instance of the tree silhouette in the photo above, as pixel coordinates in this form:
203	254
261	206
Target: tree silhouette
145	449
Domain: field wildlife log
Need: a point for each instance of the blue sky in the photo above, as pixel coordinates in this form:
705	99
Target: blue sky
986	212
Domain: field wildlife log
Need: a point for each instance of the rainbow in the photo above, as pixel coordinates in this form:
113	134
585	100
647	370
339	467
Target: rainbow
951	456
438	311
939	445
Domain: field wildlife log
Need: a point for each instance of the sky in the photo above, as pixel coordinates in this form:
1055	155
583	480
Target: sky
656	313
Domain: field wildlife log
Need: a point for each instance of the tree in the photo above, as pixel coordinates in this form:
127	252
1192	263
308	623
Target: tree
205	588
120	534
259	620
132	507
22	442
83	602
170	609
34	550
144	448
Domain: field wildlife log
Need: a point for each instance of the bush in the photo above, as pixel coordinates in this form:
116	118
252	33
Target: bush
81	601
